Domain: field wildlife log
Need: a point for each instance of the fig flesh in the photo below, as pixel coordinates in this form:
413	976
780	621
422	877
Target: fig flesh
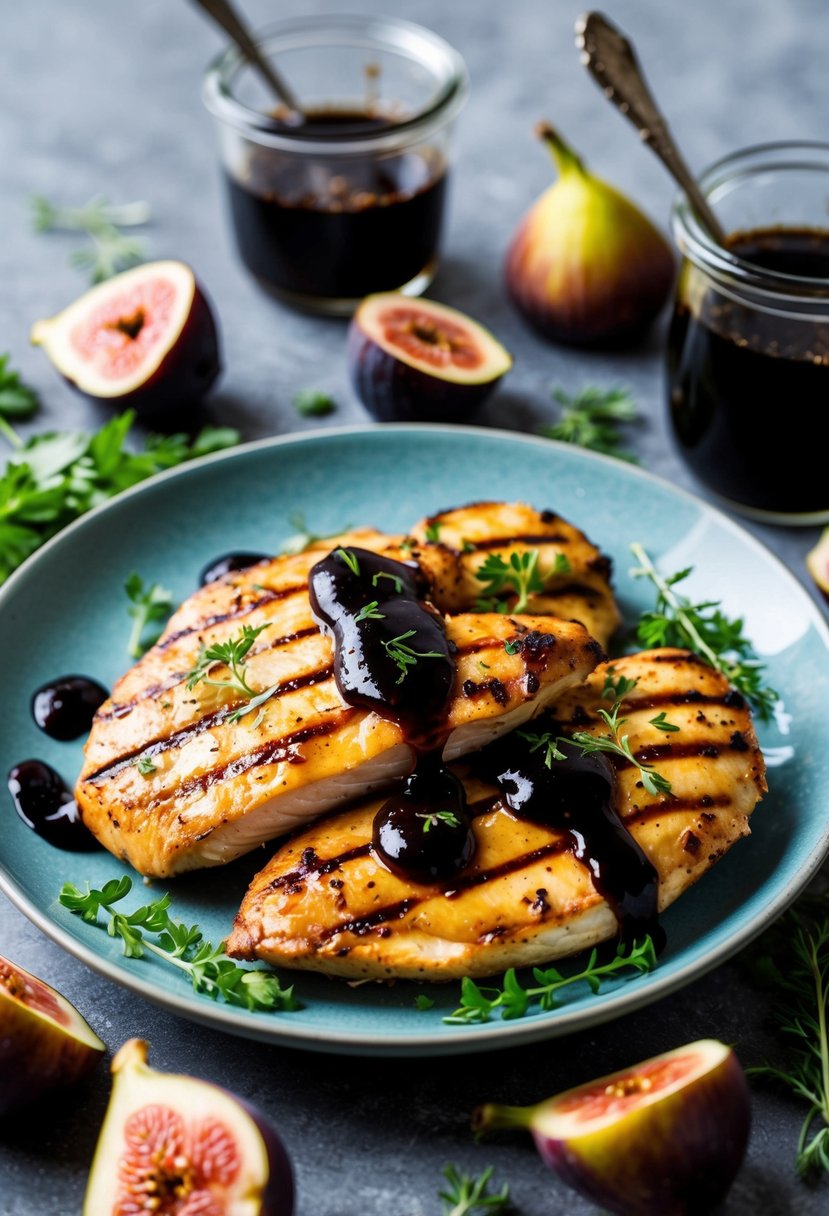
585	267
420	361
44	1041
145	339
817	563
175	1145
664	1138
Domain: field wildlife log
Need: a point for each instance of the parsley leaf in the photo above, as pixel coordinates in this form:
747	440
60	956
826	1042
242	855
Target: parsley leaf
148	605
592	418
520	576
17	400
311	403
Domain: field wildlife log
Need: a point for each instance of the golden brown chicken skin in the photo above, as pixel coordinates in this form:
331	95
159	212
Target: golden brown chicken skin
325	902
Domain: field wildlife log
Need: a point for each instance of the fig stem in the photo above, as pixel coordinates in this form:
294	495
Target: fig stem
491	1116
567	161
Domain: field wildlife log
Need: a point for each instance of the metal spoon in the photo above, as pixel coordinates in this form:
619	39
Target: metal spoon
611	60
225	16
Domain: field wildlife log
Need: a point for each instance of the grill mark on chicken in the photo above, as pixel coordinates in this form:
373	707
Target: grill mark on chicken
179	737
272	752
690	697
120	709
672	806
502	542
239	611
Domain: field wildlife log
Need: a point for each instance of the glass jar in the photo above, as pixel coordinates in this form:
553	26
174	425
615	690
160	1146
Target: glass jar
748	348
351	200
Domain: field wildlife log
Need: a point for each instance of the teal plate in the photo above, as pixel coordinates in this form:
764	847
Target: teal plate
64	612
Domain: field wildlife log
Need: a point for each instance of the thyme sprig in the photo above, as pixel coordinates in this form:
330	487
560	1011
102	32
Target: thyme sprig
111	250
208	968
514	999
232	654
591	419
466	1195
148	605
404	656
702	627
792	959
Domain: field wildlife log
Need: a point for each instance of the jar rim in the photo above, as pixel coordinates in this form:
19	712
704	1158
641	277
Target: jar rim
397	34
698	245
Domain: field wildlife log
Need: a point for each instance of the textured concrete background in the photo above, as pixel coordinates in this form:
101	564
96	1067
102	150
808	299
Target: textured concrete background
97	96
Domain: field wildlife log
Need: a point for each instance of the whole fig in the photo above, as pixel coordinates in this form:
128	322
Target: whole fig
585	266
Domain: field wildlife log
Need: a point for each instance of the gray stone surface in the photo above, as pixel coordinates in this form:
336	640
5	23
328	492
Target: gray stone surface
102	97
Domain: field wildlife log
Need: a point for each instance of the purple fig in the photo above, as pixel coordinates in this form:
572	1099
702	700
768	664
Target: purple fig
420	361
176	1144
44	1041
585	266
145	339
663	1138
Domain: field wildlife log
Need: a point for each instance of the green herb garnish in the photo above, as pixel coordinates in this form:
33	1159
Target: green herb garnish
466	1195
145	766
404	656
311	403
431	818
424	1002
432	532
17	400
209	969
111	250
148	606
303	538
350	560
369	612
702	627
514	999
519	576
591	420
398	582
233	655
512	646
54	478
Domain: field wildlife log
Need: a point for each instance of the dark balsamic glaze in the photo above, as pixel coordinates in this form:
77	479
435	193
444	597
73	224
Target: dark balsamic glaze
64	708
423	832
45	805
746	385
576	796
366	673
229	562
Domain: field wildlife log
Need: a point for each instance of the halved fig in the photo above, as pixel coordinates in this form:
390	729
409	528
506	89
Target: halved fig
664	1138
173	1144
817	563
44	1041
145	339
420	361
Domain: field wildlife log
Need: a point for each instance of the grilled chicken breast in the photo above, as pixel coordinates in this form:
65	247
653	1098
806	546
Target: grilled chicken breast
326	903
573	576
171	783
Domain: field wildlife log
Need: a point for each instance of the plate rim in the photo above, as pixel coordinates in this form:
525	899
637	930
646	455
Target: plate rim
498	1034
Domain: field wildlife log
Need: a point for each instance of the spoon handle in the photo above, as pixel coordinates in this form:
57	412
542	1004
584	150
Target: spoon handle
224	15
611	60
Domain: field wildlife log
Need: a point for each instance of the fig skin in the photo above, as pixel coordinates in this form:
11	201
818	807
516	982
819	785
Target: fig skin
394	389
262	1184
170	387
585	267
44	1042
675	1154
817	563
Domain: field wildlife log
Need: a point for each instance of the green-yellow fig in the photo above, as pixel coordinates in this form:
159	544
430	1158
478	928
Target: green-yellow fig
585	266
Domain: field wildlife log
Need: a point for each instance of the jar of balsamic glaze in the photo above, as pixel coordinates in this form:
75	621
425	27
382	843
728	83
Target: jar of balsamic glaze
349	199
748	348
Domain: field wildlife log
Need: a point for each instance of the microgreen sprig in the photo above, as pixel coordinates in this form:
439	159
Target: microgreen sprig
591	419
432	818
209	969
404	656
702	627
514	999
148	606
466	1195
111	250
369	612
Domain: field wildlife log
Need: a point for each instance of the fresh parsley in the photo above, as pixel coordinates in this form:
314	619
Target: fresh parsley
791	959
702	627
110	250
466	1195
17	400
145	765
432	532
148	606
55	478
519	576
151	929
592	419
424	1002
232	654
404	656
515	999
311	403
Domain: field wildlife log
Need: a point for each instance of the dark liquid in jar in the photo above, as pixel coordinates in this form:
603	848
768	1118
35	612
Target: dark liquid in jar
748	389
338	227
